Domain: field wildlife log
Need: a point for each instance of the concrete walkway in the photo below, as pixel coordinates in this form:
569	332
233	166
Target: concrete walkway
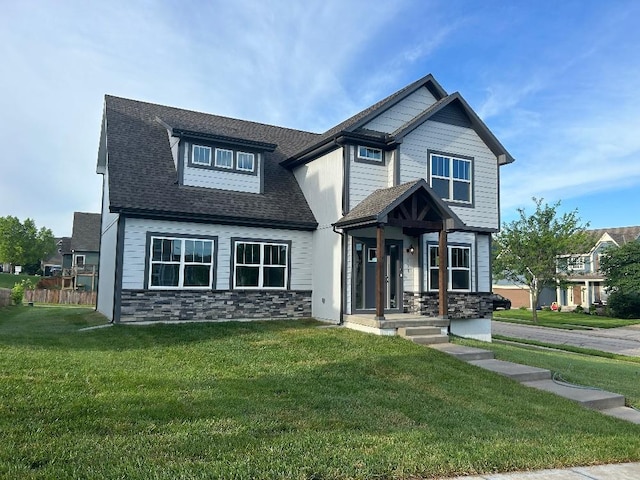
621	471
622	340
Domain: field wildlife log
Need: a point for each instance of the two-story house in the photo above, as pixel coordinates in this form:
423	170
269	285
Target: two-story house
213	218
81	255
584	283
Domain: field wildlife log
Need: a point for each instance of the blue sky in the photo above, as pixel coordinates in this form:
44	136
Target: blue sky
557	82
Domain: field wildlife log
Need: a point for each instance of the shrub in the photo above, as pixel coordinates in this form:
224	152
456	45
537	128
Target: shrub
522	308
579	309
624	305
17	292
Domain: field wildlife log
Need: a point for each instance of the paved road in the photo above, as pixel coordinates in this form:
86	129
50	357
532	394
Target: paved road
622	340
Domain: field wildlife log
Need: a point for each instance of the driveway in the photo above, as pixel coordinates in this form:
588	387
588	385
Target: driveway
622	340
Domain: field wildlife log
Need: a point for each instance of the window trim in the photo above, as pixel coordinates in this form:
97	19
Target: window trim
253	161
215	159
452	157
450	269
84	261
262	242
182	237
193	155
368	159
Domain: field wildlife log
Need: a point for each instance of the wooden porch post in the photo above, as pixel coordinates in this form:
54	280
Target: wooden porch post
443	279
380	273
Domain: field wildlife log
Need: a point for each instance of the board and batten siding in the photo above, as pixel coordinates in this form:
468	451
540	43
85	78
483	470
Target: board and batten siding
484	266
456	140
107	264
322	182
404	111
215	178
365	178
135	253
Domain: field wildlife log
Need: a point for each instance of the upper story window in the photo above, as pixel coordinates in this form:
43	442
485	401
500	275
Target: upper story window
458	266
245	162
260	265
451	177
370	154
181	262
224	158
201	155
576	263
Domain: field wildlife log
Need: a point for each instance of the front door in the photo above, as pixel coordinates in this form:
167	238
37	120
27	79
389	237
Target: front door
364	274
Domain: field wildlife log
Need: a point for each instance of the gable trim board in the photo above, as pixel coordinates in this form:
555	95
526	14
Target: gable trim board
312	193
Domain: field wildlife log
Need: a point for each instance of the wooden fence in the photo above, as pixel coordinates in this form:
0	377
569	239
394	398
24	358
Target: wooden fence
5	297
66	297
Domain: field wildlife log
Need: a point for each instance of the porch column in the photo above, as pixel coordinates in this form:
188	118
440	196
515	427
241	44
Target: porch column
443	280
380	273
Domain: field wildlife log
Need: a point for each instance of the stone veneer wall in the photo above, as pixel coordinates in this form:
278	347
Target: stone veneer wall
461	305
172	305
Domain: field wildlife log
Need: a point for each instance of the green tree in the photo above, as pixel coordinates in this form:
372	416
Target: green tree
23	243
527	249
621	266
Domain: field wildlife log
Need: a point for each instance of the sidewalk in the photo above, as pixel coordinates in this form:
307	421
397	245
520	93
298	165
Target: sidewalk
621	471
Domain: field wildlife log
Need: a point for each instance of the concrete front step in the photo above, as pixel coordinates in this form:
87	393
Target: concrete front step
463	353
594	399
516	371
428	339
411	331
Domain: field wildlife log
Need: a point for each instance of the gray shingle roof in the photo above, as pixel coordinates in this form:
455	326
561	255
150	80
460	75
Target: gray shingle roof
143	177
376	206
85	236
620	235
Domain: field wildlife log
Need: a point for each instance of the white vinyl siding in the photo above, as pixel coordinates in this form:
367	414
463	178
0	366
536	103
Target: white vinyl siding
223	179
107	265
404	111
136	237
321	182
364	178
461	141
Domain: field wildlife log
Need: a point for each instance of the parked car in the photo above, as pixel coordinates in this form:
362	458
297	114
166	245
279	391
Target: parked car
500	302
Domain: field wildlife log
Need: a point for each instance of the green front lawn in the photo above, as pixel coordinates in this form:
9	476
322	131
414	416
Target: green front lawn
617	375
269	400
565	320
7	280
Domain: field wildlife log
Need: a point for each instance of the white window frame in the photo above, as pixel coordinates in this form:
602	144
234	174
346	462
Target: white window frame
450	268
182	263
370	154
450	178
193	154
228	167
261	265
77	263
576	263
248	155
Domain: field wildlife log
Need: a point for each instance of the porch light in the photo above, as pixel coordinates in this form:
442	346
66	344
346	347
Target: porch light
411	250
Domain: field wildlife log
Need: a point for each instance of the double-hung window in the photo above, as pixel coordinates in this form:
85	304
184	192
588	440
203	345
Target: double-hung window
458	267
451	178
201	155
224	158
370	154
181	262
245	162
260	264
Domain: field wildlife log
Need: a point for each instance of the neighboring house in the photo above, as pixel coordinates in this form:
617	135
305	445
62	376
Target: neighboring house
584	281
52	266
211	218
520	295
80	261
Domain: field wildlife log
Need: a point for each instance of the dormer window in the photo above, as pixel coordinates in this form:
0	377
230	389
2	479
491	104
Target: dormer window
201	155
224	158
245	162
370	154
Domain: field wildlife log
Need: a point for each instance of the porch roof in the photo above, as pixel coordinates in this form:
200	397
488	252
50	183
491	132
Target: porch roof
375	209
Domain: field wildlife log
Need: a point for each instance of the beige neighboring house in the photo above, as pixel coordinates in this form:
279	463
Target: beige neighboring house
585	281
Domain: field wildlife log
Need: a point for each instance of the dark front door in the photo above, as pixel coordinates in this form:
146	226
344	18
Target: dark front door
364	274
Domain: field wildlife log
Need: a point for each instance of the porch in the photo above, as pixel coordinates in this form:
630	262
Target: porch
418	328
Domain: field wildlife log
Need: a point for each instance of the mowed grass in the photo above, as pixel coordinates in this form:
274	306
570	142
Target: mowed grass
591	369
564	320
7	280
269	400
